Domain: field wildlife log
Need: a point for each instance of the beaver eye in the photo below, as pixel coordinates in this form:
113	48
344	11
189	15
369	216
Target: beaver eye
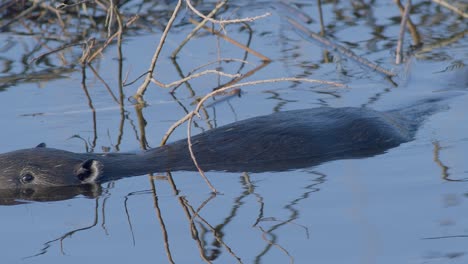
27	178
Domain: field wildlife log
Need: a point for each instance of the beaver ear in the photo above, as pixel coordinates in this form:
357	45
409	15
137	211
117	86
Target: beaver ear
41	145
89	170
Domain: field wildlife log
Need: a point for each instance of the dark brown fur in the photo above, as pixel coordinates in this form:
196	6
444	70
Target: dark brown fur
276	142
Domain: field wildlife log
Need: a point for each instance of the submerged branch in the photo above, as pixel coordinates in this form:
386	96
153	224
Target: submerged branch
451	8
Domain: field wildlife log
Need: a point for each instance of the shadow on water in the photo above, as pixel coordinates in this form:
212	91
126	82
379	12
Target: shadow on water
46	57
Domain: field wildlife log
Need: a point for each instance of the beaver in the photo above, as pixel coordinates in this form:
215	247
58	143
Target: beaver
276	142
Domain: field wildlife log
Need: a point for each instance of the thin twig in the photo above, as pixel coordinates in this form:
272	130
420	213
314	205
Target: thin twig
224	22
192	155
20	15
125	83
232	41
190	115
141	90
322	25
106	43
195	30
411	27
401	37
173	127
193	76
57	50
224	89
451	8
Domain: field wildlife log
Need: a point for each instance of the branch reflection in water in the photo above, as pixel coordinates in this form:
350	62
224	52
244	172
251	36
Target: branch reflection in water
201	229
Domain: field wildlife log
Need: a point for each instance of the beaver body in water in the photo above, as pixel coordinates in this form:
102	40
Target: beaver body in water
276	142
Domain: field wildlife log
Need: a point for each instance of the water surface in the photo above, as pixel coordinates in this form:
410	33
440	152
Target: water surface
405	206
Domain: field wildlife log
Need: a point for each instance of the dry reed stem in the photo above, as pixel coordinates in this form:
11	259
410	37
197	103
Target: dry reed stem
226	96
224	89
40	41
59	17
232	41
322	24
20	15
234	80
46	6
193	76
55	10
61	6
88	46
451	8
110	17
90	16
173	127
194	159
245	75
411	27
401	37
107	42
149	77
141	90
57	50
224	22
195	30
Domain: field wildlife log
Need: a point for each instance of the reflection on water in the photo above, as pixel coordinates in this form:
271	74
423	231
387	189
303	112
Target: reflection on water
413	198
208	236
48	194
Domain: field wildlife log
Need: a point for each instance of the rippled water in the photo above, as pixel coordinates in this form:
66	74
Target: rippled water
405	206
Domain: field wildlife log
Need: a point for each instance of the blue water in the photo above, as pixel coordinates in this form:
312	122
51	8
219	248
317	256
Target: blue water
398	207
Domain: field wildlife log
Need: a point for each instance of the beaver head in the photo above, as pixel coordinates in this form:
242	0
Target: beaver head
41	166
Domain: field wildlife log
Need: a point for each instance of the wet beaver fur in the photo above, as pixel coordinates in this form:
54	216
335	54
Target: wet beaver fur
280	141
